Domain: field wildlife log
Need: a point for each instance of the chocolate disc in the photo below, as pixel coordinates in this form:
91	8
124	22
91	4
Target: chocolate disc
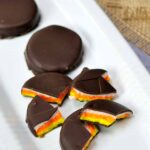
38	111
17	17
53	48
74	135
52	87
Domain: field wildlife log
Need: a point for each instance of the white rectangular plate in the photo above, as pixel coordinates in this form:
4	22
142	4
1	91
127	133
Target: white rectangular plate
104	48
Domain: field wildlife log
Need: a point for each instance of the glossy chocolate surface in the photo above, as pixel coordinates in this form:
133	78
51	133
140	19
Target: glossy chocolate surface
54	48
38	111
17	17
107	106
51	84
92	82
73	134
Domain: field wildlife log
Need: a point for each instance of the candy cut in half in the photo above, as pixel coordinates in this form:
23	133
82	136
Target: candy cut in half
17	17
75	134
42	117
104	112
54	49
92	84
51	87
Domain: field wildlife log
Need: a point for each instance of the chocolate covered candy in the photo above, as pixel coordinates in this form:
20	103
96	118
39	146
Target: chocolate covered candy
17	17
42	117
92	84
53	49
75	134
104	112
52	87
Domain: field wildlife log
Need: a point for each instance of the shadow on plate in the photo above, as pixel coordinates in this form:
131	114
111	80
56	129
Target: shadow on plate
14	123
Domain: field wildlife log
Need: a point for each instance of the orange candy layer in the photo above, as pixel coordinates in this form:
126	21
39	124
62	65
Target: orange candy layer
91	128
124	115
49	123
87	97
93	131
32	93
105	119
106	77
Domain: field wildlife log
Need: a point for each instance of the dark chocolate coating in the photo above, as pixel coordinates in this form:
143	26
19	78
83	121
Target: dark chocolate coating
38	111
92	82
74	135
107	107
87	74
54	48
48	83
17	17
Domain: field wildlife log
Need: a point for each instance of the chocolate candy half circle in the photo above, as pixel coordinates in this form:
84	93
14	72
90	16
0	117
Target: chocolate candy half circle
104	112
75	134
53	49
52	87
17	17
91	85
42	117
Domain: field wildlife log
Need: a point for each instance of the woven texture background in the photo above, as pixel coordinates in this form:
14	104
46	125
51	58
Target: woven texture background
132	18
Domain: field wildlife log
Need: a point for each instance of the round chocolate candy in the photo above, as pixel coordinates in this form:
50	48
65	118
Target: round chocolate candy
54	48
75	134
52	87
17	17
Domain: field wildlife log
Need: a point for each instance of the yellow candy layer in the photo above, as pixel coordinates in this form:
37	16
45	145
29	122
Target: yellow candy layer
93	131
88	97
104	119
50	125
48	98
